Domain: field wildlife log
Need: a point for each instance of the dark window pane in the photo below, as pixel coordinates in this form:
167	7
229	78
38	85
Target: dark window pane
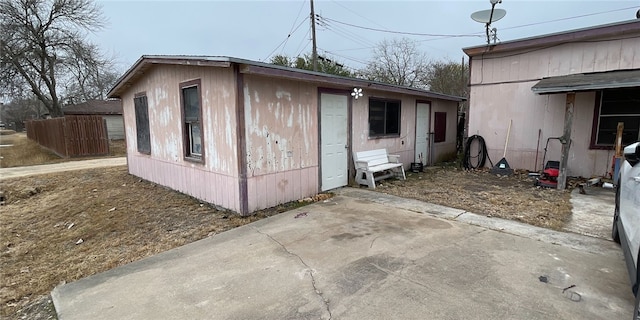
376	117
143	138
393	118
384	117
191	103
609	128
440	127
619	105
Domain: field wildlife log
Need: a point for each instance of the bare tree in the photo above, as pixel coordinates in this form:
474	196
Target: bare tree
16	112
39	42
90	77
447	77
397	61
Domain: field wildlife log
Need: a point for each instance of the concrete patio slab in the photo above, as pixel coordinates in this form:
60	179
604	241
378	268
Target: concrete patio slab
365	258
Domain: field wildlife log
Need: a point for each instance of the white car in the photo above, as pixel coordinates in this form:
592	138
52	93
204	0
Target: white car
626	218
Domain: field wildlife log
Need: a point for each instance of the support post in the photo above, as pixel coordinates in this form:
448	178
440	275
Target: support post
617	158
566	140
314	50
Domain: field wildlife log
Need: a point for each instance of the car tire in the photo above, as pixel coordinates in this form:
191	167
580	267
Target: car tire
614	231
636	310
615	235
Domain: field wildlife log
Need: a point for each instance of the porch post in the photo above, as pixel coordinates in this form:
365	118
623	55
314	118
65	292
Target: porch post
566	140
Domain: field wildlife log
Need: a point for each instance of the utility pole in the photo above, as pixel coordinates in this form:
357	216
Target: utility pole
314	52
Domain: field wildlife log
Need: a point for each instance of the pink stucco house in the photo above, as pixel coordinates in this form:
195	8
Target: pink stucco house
574	84
246	135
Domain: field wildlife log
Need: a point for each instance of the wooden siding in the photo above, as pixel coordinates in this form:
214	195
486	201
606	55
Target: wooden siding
71	136
161	86
568	58
281	130
215	180
215	188
501	91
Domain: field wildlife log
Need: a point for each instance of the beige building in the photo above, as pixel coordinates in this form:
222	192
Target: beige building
246	135
532	81
109	110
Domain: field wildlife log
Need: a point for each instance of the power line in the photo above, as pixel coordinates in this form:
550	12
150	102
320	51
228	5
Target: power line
402	32
344	57
349	37
303	41
476	34
286	38
568	18
357	14
346	33
292	26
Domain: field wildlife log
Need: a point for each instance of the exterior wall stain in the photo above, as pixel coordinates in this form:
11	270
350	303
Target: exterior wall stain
215	180
282	145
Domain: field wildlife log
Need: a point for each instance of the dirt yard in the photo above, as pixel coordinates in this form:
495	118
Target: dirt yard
480	192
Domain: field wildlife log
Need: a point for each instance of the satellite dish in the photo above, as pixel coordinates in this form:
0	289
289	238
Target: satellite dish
483	16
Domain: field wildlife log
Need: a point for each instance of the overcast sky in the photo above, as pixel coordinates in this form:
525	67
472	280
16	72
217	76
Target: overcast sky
256	30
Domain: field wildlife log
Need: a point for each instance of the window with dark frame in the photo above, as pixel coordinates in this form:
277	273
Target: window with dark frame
192	118
143	136
384	117
440	127
616	105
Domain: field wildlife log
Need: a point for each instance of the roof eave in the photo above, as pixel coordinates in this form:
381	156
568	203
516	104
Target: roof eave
619	28
302	75
252	67
145	62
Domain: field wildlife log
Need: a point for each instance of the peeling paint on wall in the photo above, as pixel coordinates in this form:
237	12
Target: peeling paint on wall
279	135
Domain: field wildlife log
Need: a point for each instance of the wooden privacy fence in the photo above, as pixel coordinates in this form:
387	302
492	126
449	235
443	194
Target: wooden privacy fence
71	136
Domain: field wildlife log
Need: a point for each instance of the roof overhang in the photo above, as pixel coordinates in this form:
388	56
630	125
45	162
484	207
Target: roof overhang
588	82
143	64
330	80
618	30
265	69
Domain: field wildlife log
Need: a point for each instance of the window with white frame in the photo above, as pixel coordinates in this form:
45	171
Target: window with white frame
613	106
384	117
192	119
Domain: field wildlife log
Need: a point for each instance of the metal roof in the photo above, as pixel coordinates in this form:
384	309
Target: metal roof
588	81
253	67
95	107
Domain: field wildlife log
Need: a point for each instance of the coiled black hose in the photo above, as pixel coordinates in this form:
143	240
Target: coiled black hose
478	160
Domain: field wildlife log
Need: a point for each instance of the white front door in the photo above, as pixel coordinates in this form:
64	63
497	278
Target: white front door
422	133
333	135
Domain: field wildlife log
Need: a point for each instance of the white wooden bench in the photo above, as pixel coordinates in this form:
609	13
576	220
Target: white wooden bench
369	165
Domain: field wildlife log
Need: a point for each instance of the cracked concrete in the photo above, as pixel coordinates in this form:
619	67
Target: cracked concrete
309	269
369	256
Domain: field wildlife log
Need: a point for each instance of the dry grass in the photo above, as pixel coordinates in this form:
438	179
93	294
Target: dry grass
480	192
25	152
119	218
